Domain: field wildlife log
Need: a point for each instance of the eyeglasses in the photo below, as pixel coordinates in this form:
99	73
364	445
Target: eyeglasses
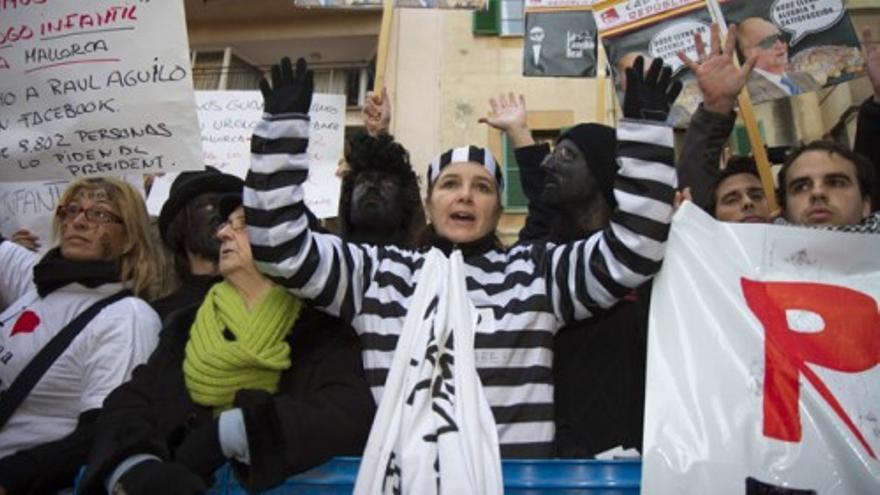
770	41
93	215
236	223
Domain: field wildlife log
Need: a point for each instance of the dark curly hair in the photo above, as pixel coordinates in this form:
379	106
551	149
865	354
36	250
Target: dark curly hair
383	154
863	167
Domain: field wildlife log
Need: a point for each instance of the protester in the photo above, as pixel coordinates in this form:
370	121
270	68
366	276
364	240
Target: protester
252	376
103	261
760	39
738	194
380	202
372	286
824	184
186	226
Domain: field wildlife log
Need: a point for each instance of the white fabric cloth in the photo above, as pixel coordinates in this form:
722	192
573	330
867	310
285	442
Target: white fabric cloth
98	360
434	432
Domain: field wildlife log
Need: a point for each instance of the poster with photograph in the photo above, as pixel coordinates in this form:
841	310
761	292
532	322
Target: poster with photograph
655	29
560	44
800	45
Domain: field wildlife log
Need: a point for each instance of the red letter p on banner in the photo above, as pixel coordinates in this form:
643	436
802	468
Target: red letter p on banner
850	342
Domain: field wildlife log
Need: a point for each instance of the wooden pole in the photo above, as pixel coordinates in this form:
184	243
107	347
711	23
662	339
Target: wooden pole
601	83
747	112
384	42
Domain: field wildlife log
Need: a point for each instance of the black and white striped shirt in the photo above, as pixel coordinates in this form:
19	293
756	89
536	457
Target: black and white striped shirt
523	294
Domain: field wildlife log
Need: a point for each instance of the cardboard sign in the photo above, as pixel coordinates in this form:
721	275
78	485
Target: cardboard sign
560	44
227	120
762	374
94	87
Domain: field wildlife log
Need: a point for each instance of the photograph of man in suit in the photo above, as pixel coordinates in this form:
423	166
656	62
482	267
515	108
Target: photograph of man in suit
771	78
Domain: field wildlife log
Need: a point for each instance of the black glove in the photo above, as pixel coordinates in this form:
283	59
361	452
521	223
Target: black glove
290	92
151	477
649	96
201	451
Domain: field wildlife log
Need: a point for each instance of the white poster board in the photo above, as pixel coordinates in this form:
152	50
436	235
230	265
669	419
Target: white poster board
95	87
227	120
762	371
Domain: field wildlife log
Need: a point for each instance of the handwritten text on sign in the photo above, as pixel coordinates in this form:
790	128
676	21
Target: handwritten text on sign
227	120
88	88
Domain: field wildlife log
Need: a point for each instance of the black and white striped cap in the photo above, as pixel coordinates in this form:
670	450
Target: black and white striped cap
473	154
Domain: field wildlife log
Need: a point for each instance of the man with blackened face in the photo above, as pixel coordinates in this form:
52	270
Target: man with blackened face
380	202
579	179
186	224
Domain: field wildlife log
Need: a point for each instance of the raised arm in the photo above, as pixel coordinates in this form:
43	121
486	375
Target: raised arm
315	266
721	82
508	115
588	275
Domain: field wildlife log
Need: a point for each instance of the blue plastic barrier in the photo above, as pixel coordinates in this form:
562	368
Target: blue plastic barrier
521	477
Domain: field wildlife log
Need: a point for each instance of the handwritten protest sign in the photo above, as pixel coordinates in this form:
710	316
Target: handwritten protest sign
94	87
227	120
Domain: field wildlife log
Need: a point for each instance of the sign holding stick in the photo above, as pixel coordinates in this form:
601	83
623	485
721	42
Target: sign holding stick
92	88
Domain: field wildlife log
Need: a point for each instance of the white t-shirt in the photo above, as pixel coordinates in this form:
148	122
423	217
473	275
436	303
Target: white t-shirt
100	358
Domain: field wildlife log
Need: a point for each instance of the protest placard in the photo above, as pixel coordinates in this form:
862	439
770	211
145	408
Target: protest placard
801	45
227	120
94	87
762	374
816	35
560	43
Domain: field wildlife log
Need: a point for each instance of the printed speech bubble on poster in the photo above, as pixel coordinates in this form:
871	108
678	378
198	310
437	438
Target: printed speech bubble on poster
677	37
802	17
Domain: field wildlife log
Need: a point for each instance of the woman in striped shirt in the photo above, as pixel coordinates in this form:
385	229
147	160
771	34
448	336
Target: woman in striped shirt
522	295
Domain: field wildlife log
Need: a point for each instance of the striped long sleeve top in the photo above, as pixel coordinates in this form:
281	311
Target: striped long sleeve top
523	294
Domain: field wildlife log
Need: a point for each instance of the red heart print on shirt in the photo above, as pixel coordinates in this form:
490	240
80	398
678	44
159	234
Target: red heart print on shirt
26	323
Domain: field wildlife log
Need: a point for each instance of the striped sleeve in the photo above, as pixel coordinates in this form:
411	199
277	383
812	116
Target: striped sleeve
595	273
315	266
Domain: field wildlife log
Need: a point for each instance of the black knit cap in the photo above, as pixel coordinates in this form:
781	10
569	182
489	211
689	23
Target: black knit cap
188	185
598	143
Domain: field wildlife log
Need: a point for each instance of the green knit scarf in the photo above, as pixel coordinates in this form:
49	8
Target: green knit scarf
215	368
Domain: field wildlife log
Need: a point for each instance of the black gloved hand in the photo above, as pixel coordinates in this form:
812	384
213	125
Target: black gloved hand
290	92
201	451
151	477
649	96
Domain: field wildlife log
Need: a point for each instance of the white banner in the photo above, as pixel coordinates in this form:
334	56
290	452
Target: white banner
227	120
95	87
762	361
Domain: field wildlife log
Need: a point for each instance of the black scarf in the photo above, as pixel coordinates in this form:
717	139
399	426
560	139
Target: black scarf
54	272
487	243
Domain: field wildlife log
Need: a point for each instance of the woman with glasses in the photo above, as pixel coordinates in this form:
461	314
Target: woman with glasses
103	260
252	376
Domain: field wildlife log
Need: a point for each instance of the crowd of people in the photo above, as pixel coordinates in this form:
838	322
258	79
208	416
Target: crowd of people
273	351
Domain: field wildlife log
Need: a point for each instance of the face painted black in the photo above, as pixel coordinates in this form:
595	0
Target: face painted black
567	177
376	203
202	219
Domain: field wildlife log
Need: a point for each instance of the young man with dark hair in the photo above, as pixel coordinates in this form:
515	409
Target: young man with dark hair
825	184
738	195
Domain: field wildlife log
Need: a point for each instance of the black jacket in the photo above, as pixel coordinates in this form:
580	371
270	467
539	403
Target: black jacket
598	364
323	407
867	143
